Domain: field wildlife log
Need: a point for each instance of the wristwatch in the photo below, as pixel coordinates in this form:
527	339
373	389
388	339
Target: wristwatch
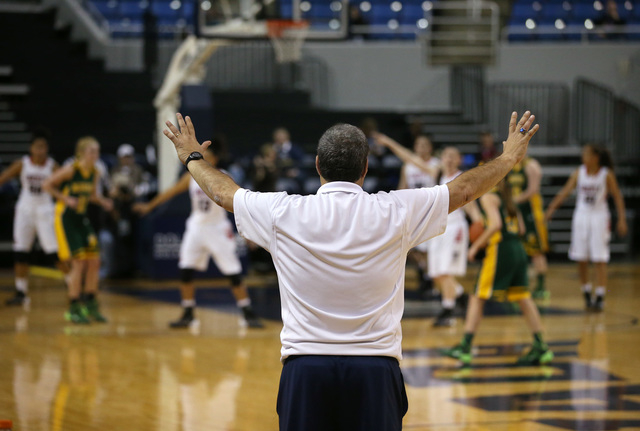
193	156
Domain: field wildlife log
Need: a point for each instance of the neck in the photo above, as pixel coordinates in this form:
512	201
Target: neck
38	160
593	169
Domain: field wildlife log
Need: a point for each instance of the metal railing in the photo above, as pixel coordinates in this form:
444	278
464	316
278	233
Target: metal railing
603	118
468	92
550	102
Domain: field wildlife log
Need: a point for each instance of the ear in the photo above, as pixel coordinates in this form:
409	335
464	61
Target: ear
366	169
318	167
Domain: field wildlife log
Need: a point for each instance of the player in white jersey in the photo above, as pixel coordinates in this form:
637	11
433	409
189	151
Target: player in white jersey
415	176
208	234
448	252
590	227
33	212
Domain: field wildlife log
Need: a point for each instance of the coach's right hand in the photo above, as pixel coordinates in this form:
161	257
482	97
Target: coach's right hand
520	133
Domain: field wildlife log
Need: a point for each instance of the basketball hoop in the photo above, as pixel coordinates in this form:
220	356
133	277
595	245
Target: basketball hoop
287	37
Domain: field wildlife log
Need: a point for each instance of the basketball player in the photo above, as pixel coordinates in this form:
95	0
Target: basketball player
208	234
75	186
448	252
503	276
421	170
33	212
524	181
590	227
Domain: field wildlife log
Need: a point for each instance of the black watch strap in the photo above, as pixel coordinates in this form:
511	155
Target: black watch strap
193	156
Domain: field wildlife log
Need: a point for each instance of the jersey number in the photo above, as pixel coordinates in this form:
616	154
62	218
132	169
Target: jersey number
35	190
204	205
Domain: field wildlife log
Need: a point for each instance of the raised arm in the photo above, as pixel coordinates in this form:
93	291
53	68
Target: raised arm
407	156
12	171
402	183
477	181
534	178
569	186
180	187
217	185
614	190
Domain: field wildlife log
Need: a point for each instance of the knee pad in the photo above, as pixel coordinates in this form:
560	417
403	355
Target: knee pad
51	258
21	257
235	279
186	275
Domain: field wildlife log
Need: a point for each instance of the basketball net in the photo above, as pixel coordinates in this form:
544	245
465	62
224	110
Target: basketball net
287	38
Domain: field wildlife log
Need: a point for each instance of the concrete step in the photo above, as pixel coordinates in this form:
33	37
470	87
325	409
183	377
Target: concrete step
14	89
14	147
551	151
13	127
15	137
7	116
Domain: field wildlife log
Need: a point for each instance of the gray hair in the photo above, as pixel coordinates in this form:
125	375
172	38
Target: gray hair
342	153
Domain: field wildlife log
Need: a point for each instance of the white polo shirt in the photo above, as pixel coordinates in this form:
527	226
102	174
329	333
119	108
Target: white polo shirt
340	257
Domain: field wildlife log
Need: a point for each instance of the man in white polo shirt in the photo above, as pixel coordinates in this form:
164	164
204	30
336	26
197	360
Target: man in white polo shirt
340	257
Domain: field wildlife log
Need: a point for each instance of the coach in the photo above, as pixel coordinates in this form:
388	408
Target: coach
340	257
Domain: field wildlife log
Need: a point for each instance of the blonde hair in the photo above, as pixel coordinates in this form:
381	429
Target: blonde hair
84	143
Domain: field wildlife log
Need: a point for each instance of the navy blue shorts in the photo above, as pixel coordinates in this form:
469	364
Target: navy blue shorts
341	393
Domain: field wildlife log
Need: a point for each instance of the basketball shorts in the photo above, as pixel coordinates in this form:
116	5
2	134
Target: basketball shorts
76	237
590	236
202	241
29	222
536	238
341	393
448	252
503	275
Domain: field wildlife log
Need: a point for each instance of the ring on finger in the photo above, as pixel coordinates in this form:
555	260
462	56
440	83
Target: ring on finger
178	134
523	130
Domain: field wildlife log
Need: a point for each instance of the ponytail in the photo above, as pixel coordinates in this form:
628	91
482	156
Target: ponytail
507	198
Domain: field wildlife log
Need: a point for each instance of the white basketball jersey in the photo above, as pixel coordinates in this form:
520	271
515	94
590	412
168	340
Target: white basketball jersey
592	190
31	178
203	209
417	178
458	215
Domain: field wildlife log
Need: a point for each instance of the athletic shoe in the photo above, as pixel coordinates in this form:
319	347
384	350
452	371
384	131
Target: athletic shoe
18	298
462	301
541	293
537	355
598	304
587	299
92	310
444	319
76	314
186	320
251	318
459	352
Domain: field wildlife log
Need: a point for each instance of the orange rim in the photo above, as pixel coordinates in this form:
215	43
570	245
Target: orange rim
275	27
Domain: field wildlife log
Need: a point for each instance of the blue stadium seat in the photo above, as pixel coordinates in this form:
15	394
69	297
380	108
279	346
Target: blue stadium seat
412	12
286	10
107	8
582	11
554	11
524	11
131	9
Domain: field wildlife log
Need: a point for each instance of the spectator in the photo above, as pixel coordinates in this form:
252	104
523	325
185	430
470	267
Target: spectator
264	170
608	24
289	158
356	23
488	150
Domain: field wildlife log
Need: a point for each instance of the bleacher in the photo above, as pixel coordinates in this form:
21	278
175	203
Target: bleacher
576	20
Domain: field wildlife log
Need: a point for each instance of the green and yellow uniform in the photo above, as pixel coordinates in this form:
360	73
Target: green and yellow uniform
503	275
536	239
76	238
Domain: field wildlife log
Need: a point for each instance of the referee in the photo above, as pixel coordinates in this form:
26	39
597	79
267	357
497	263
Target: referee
340	257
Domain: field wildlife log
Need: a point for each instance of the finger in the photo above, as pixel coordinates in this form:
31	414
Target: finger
512	122
524	119
533	131
181	123
529	122
170	135
205	145
173	128
190	127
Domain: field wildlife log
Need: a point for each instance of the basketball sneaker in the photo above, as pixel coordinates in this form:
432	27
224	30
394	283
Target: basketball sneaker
587	299
541	293
462	302
251	318
444	319
537	355
459	352
598	304
186	320
76	314
91	309
19	298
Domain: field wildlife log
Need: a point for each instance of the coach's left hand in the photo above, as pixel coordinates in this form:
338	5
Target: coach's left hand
184	139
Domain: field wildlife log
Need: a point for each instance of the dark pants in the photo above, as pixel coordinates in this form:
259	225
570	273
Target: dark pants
341	393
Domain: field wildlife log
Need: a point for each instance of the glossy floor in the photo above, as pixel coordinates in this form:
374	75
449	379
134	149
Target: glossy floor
135	374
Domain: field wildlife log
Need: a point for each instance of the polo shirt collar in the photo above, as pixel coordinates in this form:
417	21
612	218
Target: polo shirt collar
340	186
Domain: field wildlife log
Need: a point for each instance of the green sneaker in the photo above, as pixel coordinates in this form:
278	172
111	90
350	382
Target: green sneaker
92	310
76	314
541	294
537	355
459	352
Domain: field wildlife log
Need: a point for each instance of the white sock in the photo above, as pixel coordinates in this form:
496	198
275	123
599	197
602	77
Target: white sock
449	304
459	290
586	287
188	303
600	291
67	279
244	302
22	284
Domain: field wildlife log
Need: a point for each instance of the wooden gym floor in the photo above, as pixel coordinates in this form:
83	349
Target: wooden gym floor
133	373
